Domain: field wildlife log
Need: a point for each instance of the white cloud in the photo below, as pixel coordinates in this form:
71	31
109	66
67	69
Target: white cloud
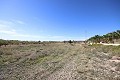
7	31
3	26
20	36
15	35
12	32
5	22
18	21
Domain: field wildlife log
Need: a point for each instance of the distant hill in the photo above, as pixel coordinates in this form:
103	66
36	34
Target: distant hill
112	37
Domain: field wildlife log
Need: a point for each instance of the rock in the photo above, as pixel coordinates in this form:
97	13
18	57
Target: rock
115	58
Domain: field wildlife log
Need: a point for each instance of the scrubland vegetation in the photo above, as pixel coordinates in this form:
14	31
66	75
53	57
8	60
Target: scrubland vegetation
59	61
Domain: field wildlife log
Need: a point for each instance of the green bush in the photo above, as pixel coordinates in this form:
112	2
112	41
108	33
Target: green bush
3	42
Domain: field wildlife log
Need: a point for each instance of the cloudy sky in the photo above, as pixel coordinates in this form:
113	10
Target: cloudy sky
57	19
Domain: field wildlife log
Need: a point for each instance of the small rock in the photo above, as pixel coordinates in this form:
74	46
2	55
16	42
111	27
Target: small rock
115	58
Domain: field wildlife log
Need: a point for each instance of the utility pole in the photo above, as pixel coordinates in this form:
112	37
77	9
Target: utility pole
1	37
85	36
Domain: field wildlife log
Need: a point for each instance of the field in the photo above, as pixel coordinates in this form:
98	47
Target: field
59	61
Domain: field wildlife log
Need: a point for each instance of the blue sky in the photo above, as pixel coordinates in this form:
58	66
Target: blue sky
57	19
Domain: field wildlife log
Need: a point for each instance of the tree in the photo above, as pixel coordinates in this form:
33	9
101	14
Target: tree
3	42
70	41
109	37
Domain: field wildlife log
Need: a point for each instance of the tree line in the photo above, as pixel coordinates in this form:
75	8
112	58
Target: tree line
107	38
17	42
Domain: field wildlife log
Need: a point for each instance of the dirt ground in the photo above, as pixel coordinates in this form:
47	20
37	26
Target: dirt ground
58	61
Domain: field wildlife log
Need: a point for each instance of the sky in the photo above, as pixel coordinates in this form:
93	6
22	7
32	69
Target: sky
57	20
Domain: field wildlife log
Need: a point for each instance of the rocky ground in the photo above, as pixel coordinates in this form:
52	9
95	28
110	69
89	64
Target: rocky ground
59	61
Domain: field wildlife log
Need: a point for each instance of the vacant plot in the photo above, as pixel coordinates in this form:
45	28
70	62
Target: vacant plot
60	61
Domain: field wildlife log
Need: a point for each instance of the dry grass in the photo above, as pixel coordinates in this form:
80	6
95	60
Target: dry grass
59	61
